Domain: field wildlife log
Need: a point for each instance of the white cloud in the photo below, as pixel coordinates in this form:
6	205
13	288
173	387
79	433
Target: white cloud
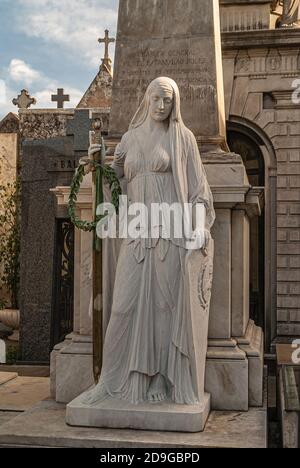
21	72
42	87
73	25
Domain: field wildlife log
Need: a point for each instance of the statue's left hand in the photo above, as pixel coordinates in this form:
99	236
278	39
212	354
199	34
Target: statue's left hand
200	239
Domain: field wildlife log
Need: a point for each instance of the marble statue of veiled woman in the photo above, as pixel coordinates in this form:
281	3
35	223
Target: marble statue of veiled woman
146	349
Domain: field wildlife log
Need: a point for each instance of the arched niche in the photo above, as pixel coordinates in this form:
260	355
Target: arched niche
248	140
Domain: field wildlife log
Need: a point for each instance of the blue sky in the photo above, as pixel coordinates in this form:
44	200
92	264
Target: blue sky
46	44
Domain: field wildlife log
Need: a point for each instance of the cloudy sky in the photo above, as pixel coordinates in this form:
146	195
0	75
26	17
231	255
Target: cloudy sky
46	44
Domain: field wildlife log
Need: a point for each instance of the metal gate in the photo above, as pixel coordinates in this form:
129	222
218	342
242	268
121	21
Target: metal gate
63	286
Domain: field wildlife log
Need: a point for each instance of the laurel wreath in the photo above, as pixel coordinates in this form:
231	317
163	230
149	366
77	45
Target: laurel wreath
110	177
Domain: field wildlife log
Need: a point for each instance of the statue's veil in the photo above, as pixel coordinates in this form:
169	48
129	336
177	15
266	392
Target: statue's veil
178	134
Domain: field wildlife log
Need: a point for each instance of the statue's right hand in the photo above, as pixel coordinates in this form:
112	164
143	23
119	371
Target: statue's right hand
94	149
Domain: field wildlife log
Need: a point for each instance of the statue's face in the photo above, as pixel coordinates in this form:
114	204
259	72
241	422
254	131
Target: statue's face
161	103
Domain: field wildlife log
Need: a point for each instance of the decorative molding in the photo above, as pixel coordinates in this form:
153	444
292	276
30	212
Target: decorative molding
257	65
284	99
245	16
261	39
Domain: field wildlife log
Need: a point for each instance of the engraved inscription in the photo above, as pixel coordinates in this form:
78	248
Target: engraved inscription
185	66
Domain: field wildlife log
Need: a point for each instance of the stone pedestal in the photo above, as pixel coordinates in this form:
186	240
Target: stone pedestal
117	414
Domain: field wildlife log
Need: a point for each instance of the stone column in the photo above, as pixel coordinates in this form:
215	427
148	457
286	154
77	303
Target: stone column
234	373
72	361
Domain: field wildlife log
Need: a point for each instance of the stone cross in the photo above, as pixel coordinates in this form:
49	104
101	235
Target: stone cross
106	62
80	127
106	40
24	100
60	98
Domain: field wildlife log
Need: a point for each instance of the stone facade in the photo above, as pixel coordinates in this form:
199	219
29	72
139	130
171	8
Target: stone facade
260	70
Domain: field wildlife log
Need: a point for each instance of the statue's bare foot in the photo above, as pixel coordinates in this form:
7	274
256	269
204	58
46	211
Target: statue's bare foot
158	389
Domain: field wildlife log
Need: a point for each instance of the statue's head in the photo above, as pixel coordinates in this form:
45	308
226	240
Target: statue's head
161	99
161	102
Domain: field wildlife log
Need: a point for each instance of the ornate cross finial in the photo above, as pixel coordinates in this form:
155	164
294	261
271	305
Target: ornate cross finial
60	98
24	100
106	62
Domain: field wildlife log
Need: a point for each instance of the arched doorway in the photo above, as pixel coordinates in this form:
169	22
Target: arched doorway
255	167
248	140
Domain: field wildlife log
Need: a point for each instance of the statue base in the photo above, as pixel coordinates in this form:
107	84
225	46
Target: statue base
118	414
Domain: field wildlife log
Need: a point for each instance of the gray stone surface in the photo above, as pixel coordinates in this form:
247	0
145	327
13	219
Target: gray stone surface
45	426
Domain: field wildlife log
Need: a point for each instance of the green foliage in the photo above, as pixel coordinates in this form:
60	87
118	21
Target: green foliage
10	240
109	177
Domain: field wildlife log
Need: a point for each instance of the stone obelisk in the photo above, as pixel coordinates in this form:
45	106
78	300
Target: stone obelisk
179	39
